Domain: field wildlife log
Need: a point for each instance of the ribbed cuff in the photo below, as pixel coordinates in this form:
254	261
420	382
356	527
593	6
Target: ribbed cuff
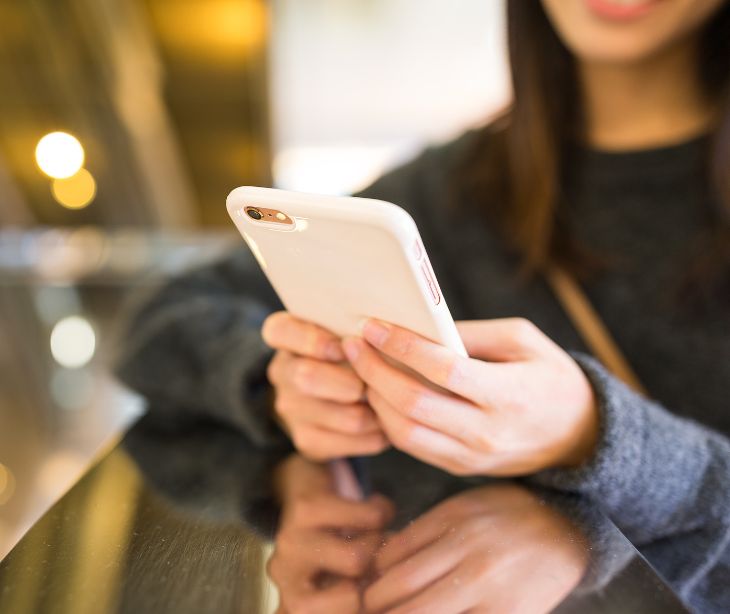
614	465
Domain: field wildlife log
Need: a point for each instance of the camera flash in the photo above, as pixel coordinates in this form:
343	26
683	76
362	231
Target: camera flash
280	216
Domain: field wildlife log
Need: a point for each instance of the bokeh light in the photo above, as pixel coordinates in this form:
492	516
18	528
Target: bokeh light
75	192
73	342
59	155
225	30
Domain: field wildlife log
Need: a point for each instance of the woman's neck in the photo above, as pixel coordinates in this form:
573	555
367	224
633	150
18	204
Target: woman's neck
652	103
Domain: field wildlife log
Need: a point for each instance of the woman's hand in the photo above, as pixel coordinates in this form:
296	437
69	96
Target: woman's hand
318	399
492	549
325	544
520	404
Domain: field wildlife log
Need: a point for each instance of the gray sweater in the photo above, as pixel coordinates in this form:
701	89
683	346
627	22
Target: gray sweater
662	467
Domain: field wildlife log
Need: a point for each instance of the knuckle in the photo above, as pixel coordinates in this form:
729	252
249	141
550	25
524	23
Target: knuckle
415	402
355	420
354	391
304	374
405	345
523	330
482	440
355	563
454	371
316	342
411	579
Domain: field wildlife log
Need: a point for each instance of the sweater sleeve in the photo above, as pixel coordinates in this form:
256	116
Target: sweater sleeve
664	481
195	348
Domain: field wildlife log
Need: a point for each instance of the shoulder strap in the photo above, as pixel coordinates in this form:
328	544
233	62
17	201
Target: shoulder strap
590	326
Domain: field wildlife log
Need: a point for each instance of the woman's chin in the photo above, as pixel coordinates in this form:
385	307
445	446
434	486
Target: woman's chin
625	31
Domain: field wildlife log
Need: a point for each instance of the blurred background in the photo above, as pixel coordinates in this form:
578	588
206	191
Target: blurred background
123	126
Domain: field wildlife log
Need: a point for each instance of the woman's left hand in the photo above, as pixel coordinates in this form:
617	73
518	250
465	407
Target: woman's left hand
520	404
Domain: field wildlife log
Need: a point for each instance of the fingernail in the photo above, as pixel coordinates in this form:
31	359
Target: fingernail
376	332
351	348
333	351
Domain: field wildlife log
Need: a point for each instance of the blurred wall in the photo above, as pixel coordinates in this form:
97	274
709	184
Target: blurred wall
359	85
175	102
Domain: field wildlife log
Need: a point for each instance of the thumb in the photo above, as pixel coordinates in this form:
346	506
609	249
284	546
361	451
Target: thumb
501	340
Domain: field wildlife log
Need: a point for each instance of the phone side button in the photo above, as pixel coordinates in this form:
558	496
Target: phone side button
417	249
431	283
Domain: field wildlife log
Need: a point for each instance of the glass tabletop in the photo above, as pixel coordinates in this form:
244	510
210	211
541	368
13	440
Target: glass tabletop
193	518
63	294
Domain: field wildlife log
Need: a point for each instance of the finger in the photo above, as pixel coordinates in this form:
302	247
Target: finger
503	340
347	419
320	444
329	511
309	551
342	597
282	331
435	362
485	384
440	412
444	413
445	368
452	593
459	420
316	378
415	573
414	537
424	443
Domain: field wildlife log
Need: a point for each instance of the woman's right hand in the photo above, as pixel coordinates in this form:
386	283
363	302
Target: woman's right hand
318	398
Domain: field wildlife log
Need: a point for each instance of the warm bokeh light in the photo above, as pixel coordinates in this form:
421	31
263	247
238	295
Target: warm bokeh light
73	342
75	192
217	30
59	155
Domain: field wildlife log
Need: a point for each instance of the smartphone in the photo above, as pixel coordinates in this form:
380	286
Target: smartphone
337	260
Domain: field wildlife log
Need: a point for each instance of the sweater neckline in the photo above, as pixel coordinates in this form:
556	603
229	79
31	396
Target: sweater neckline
677	159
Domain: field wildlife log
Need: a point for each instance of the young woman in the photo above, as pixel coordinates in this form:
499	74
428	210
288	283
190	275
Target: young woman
614	162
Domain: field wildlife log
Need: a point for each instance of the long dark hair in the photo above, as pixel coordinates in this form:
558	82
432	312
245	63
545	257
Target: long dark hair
521	160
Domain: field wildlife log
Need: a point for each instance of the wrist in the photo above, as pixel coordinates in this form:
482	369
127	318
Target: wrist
582	444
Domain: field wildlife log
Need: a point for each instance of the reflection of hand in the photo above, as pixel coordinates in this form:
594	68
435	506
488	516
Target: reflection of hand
518	405
325	544
318	398
492	549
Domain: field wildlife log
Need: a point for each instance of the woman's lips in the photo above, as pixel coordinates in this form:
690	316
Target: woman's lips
621	10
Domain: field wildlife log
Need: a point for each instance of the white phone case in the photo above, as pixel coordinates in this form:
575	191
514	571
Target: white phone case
345	259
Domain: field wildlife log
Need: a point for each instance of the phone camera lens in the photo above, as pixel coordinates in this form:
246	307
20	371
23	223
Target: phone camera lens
254	213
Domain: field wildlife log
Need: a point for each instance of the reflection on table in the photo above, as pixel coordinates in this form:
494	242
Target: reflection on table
189	517
62	293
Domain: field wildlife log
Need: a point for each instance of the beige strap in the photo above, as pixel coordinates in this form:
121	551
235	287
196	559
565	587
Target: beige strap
590	326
